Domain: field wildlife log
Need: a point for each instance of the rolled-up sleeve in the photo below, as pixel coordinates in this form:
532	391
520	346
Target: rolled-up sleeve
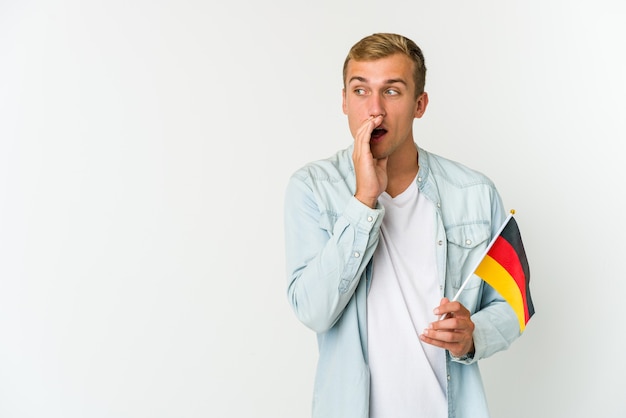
325	261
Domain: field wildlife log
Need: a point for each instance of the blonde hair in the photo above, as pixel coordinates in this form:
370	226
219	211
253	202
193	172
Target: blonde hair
382	45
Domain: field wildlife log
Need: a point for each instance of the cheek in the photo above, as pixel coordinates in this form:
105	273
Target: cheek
410	114
358	112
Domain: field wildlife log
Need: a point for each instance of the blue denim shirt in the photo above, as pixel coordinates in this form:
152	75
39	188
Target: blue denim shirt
330	240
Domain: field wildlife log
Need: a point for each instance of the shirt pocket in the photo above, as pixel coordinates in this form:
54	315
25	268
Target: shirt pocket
466	243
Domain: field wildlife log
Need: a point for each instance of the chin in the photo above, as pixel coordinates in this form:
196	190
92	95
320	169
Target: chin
379	156
379	153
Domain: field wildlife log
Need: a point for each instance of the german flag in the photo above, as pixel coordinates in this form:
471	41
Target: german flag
505	268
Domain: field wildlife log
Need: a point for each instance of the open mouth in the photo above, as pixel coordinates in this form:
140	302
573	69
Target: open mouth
377	134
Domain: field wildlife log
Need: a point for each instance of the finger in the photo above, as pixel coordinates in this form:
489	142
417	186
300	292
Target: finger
442	303
448	324
362	151
442	338
432	341
457	324
364	133
447	309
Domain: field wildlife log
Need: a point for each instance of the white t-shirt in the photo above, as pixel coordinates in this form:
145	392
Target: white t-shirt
408	377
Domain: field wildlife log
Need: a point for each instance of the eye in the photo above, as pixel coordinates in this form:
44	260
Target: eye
392	92
359	91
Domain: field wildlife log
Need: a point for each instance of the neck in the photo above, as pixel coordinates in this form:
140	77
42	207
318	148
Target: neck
402	168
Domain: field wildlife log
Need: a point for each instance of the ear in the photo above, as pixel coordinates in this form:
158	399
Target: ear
344	106
421	104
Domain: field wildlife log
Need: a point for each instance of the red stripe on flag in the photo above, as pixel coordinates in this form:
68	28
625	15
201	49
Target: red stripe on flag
506	255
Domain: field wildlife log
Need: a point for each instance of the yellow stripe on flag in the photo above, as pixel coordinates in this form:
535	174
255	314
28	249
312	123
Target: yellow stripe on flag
500	279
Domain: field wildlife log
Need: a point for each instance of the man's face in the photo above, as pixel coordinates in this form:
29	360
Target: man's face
383	87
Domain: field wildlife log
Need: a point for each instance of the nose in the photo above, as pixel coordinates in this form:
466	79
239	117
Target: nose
376	106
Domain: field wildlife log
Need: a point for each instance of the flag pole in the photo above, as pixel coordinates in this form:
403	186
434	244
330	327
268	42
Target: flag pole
495	237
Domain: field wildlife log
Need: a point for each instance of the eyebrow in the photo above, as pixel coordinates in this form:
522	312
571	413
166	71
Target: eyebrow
387	82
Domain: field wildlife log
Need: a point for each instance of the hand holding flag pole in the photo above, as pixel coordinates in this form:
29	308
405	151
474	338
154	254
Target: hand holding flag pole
504	266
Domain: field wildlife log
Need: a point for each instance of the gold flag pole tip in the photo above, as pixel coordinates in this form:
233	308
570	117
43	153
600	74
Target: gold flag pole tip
512	211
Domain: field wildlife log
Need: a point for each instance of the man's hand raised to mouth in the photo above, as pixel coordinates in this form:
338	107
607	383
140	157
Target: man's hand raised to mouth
371	173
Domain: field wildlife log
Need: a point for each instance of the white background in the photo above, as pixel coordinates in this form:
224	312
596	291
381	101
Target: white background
144	151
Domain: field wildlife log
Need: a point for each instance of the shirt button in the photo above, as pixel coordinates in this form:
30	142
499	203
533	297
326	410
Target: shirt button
468	241
370	219
419	179
357	255
440	242
438	204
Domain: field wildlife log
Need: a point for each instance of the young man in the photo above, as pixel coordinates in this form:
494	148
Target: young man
379	238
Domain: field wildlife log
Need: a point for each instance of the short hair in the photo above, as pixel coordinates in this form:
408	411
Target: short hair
382	45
